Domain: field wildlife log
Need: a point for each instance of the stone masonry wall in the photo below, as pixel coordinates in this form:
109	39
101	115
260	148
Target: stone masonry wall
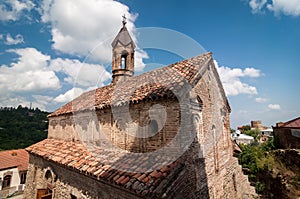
65	182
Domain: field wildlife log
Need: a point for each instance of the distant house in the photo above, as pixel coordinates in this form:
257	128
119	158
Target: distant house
287	135
13	170
240	138
265	134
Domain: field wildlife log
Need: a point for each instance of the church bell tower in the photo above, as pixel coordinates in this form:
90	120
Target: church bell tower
122	55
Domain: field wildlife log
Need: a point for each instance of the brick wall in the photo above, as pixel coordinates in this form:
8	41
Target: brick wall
127	127
285	139
210	169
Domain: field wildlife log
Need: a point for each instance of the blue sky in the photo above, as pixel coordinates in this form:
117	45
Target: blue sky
51	50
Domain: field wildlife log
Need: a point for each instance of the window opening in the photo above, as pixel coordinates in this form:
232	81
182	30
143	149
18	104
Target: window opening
123	62
6	181
23	178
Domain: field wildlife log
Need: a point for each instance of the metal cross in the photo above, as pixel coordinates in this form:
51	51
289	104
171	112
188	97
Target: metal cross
124	19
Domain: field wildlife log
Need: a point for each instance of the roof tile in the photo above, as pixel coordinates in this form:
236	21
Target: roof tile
14	158
163	82
77	157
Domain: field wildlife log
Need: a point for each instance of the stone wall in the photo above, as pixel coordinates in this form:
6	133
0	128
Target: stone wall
63	182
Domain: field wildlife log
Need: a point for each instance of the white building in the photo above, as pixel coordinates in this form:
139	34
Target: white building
242	138
267	132
13	170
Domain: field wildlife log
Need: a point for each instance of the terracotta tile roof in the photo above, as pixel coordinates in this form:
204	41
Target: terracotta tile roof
163	82
77	157
295	123
14	158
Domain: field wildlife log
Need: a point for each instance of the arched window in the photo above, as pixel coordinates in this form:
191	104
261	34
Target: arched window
124	60
48	176
6	181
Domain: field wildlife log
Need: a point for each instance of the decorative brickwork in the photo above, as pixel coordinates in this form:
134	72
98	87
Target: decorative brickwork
162	134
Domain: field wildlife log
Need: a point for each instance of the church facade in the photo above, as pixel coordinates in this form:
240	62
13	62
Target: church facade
161	134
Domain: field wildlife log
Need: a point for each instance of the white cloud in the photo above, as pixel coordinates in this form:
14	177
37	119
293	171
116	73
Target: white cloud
41	101
11	10
251	72
13	101
261	100
13	41
232	83
87	28
286	7
79	73
29	74
257	5
274	106
1	36
69	95
35	77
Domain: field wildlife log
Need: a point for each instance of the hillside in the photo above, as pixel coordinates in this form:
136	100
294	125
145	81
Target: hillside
21	127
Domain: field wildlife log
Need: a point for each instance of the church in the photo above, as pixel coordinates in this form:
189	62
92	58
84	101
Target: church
162	134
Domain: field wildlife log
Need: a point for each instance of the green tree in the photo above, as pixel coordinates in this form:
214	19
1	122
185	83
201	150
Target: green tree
21	127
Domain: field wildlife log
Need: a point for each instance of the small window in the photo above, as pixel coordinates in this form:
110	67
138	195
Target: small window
6	181
124	59
123	62
48	176
295	133
34	173
23	178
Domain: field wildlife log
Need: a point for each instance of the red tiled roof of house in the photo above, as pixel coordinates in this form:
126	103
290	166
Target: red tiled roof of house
104	167
14	158
169	81
294	123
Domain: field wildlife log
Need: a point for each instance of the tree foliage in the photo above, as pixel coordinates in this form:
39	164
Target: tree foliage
254	133
257	158
21	127
246	128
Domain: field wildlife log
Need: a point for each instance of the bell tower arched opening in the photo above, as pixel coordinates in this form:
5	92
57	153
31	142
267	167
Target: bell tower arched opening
123	55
